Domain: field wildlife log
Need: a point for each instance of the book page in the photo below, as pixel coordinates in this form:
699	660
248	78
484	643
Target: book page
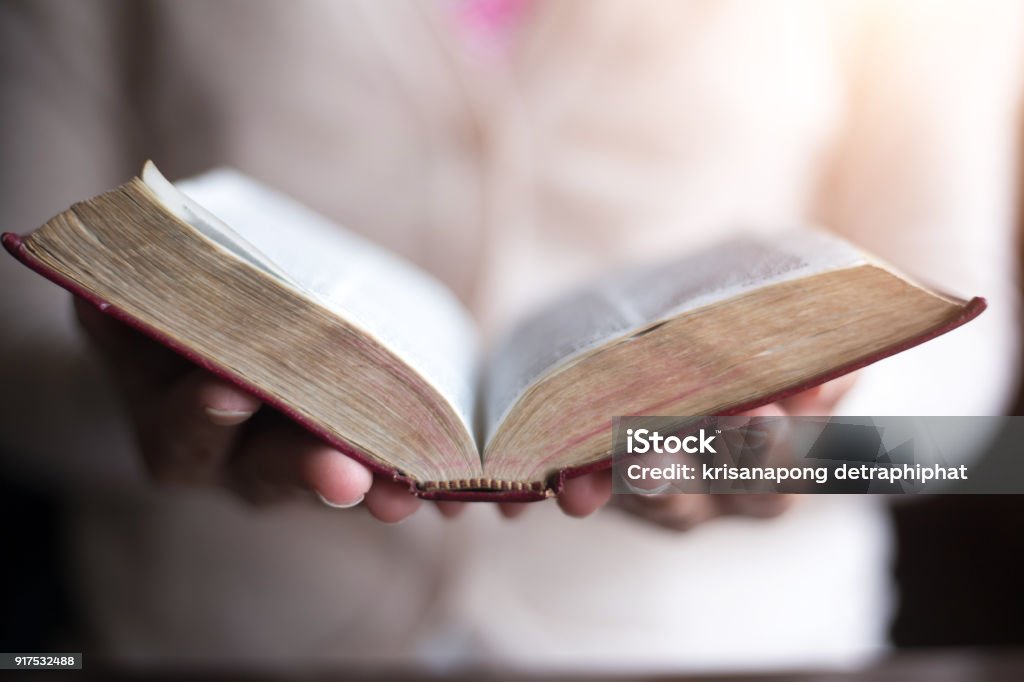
631	301
407	310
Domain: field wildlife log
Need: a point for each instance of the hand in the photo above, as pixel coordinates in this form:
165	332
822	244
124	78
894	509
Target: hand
195	428
585	494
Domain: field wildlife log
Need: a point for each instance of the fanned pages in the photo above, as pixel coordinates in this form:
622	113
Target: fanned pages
381	360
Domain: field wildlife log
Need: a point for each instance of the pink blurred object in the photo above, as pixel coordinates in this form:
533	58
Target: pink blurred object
488	26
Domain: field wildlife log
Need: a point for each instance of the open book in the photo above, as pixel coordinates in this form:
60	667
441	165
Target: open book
381	360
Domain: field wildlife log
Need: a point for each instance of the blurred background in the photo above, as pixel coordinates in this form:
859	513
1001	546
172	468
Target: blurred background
512	166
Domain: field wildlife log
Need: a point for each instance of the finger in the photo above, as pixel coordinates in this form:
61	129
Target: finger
390	501
674	512
756	505
450	510
511	510
279	459
225	404
584	495
819	401
771	410
188	434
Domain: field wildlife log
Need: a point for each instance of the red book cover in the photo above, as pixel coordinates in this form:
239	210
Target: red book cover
15	246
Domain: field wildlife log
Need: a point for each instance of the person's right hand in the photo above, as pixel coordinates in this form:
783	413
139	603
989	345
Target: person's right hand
194	428
586	494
